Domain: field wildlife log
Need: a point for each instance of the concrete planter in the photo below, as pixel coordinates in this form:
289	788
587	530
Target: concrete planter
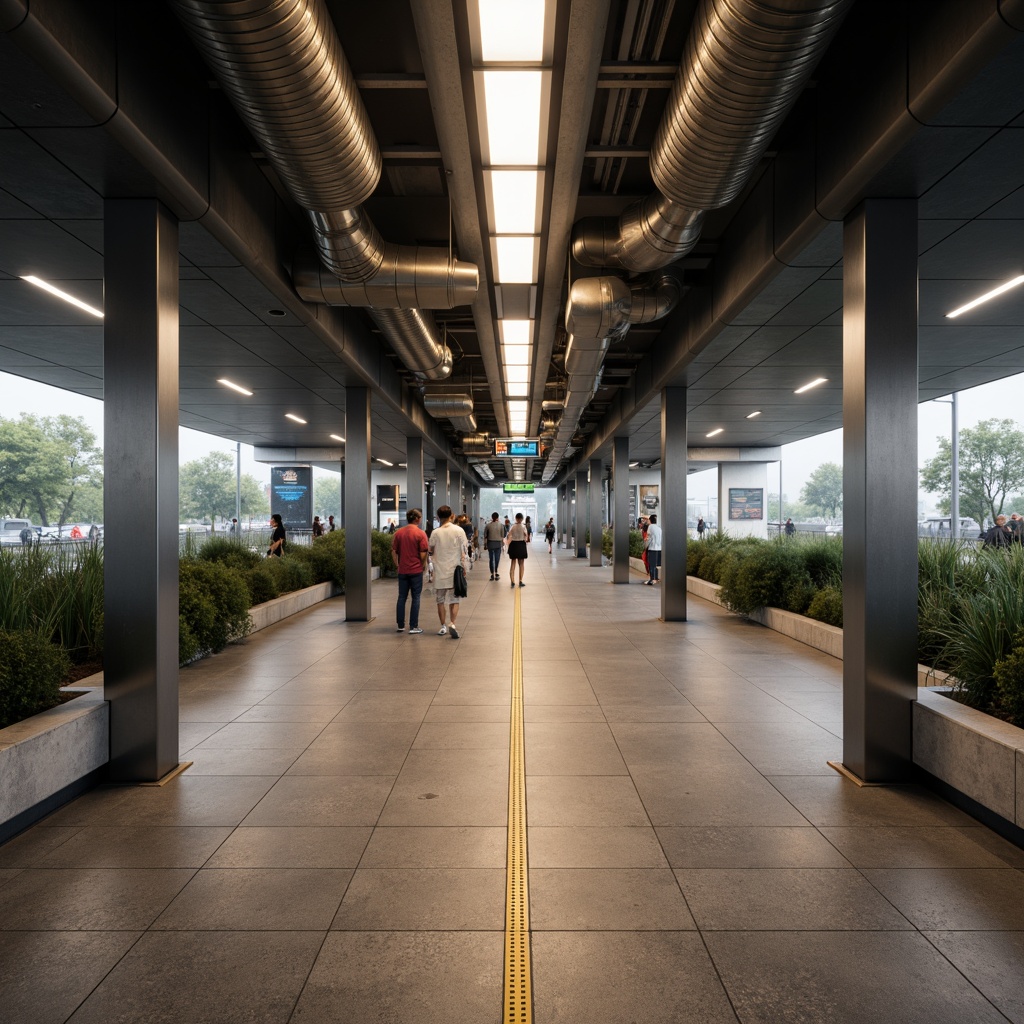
279	608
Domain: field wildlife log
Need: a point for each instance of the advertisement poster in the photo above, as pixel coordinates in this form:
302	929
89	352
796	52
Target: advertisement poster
632	506
746	503
291	495
648	499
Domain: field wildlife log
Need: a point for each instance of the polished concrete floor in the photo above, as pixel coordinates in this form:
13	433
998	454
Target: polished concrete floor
336	852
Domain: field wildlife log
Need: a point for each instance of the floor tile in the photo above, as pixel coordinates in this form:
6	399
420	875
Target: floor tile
571	748
991	961
295	846
755	847
583	800
924	846
323	800
261	735
147	846
462	736
26	850
358	748
436	847
258	761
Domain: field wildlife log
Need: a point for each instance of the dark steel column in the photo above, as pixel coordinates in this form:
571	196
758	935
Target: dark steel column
341	498
563	515
620	515
455	491
357	505
441	495
673	504
879	483
581	513
596	496
415	496
140	488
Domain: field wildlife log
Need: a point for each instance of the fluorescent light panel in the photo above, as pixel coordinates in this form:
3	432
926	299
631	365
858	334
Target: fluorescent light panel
516	355
515	332
811	384
515	259
988	295
384	462
53	290
295	419
717	430
234	387
751	415
512	106
515	201
335	437
512	31
517	374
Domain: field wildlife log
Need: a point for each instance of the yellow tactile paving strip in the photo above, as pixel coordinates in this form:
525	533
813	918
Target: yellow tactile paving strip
518	998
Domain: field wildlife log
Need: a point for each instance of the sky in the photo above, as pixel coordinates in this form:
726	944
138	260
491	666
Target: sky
1000	400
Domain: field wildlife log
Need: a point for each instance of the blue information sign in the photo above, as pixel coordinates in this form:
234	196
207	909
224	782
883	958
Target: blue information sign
291	495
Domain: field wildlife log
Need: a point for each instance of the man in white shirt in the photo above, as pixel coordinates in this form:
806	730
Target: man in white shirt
653	546
447	550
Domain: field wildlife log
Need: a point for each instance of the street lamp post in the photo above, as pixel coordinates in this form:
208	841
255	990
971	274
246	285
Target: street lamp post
238	488
954	497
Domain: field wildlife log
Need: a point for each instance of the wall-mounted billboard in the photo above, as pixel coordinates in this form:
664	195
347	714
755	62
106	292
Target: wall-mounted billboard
291	495
746	503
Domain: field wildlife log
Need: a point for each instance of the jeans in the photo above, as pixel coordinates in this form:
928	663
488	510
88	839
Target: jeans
411	582
494	554
654	562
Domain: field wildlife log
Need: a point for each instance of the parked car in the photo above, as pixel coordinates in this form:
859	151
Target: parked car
12	530
938	527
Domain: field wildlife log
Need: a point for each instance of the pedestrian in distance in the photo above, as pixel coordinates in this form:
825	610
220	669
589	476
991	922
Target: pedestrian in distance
529	530
508	525
652	542
1016	524
277	538
318	527
518	549
998	536
409	548
330	524
494	538
447	549
790	527
642	525
701	527
549	533
467	527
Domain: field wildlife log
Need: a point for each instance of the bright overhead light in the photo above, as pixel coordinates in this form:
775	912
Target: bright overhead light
515	332
234	387
517	374
403	465
988	295
717	430
811	384
295	419
335	437
512	106
511	31
47	287
633	465
515	197
384	462
515	258
516	355
751	415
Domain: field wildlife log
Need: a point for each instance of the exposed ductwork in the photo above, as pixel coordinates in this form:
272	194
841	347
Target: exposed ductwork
282	65
456	407
745	64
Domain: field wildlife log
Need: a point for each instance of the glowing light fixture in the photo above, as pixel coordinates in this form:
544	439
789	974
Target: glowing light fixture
512	31
717	430
515	199
512	108
384	462
514	332
811	384
516	355
517	374
633	465
234	387
751	415
47	287
988	295
334	437
515	258
295	419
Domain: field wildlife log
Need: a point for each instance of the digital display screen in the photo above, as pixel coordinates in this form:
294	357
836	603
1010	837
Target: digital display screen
746	503
517	448
516	488
291	495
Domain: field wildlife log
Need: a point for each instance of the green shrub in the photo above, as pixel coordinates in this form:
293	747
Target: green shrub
229	552
760	576
636	544
715	553
213	608
262	587
798	593
31	671
607	543
823	559
1009	673
827	606
380	550
325	558
289	573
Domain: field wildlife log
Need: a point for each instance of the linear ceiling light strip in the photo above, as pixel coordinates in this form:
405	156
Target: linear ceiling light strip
518	999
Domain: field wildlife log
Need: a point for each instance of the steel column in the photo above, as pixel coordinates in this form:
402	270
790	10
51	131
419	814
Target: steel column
140	489
441	490
455	492
596	497
673	504
415	496
357	504
620	515
879	476
581	513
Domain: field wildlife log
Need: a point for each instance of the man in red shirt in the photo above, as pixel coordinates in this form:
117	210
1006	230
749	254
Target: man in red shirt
409	550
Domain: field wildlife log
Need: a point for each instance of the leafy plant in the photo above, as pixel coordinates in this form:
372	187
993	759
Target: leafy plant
762	575
213	608
31	671
228	552
1009	673
827	606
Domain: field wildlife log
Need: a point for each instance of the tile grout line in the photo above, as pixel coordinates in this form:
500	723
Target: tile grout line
518	999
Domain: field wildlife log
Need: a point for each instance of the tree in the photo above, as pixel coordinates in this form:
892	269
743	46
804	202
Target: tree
50	469
824	491
795	510
206	489
327	496
991	461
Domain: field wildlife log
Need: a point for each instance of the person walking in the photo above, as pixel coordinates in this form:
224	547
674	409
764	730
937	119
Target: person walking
701	527
1016	524
494	537
318	527
277	538
467	527
642	526
447	549
409	550
790	527
330	524
518	549
549	533
653	545
529	530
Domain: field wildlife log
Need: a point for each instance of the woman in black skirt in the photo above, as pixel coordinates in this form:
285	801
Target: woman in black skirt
517	549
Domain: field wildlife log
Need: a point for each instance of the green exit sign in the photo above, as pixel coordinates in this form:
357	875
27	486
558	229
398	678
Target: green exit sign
517	488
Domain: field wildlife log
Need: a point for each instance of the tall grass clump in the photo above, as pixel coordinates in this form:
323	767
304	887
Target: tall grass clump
762	575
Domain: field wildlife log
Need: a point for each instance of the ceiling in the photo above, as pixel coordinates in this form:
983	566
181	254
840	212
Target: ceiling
111	99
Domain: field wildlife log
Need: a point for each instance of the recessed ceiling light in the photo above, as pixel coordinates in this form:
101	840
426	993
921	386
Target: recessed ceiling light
751	415
512	32
293	417
512	105
633	465
988	295
47	287
276	312
336	438
234	387
812	384
717	430
384	462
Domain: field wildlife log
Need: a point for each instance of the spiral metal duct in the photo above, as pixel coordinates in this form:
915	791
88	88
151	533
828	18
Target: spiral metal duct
457	408
281	64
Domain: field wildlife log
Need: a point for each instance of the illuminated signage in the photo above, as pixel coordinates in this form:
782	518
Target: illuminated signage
517	448
291	489
515	488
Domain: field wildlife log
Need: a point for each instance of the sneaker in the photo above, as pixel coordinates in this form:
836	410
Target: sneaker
453	632
648	583
511	583
491	577
442	631
401	629
521	583
415	629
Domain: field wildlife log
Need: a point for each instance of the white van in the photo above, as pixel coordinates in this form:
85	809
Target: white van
10	530
938	527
